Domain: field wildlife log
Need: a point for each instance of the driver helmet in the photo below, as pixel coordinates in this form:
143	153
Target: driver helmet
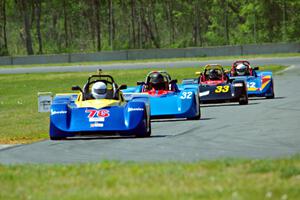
157	81
214	74
99	90
241	69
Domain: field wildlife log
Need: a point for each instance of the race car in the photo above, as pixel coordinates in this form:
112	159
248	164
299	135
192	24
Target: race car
166	100
216	87
259	83
99	109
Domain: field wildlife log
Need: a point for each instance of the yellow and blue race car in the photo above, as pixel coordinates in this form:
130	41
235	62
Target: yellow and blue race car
83	114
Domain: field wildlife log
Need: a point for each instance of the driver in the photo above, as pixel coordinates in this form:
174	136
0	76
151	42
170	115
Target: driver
157	81
214	74
99	90
242	70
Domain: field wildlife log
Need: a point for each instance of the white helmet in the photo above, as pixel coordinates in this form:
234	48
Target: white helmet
241	69
99	90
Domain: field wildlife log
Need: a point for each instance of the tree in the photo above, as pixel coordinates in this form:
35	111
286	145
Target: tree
3	37
24	9
38	11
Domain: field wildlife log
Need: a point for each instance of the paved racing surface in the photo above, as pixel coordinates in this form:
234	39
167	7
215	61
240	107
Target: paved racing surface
93	68
262	129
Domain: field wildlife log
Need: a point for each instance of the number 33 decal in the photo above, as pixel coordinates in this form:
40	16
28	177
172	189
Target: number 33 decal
186	95
220	89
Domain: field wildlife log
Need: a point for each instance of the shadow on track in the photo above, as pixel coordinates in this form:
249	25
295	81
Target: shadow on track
178	120
263	98
112	137
226	104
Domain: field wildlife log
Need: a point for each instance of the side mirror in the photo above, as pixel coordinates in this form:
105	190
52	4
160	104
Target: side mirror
256	68
122	87
76	87
173	81
140	83
198	73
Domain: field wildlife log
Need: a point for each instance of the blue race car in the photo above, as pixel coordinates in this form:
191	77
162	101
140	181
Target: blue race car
166	99
82	114
259	83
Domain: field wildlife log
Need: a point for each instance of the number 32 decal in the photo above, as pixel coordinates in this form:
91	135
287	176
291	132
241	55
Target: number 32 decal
220	89
186	95
251	85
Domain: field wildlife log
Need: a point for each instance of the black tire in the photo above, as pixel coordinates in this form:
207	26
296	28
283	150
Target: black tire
57	138
147	133
272	96
243	100
196	117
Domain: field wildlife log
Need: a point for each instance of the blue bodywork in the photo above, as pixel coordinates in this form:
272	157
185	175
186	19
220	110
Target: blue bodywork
124	118
183	103
260	84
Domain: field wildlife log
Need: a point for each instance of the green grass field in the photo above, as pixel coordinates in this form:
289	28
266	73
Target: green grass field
19	120
223	179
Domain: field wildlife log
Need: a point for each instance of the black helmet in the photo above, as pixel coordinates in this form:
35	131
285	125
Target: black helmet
157	81
214	74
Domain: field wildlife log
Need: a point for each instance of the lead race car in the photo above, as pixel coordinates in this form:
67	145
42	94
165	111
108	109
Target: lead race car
166	99
259	83
216	87
99	109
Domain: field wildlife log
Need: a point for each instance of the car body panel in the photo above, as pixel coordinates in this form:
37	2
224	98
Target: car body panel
71	116
183	103
259	83
217	91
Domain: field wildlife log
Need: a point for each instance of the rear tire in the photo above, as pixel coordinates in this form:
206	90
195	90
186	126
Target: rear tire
272	96
243	100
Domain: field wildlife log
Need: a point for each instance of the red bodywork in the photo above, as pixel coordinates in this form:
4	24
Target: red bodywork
154	92
204	77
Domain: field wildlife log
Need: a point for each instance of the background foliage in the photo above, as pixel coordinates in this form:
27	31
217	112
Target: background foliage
61	26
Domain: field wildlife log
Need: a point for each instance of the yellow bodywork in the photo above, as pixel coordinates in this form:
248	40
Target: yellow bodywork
94	103
97	103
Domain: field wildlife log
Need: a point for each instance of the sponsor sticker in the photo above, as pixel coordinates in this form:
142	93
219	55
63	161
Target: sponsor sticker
95	125
135	109
53	112
97	119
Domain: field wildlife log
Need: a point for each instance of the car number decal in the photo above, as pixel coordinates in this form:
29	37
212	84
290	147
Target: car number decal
221	89
186	95
97	113
251	85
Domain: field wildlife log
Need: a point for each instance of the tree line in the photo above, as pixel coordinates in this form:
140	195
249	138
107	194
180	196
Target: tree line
62	26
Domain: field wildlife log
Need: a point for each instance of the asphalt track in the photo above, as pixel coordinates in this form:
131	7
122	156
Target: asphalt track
262	129
93	68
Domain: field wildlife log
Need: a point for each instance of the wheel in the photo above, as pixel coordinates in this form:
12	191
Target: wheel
197	117
147	132
56	138
243	100
272	96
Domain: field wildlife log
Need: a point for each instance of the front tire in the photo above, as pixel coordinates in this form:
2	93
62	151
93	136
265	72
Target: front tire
147	132
197	117
57	138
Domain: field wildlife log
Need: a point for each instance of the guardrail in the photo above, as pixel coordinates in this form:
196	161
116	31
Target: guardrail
139	54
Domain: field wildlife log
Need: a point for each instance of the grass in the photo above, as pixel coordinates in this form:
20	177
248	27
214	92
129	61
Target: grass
19	120
159	60
222	179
